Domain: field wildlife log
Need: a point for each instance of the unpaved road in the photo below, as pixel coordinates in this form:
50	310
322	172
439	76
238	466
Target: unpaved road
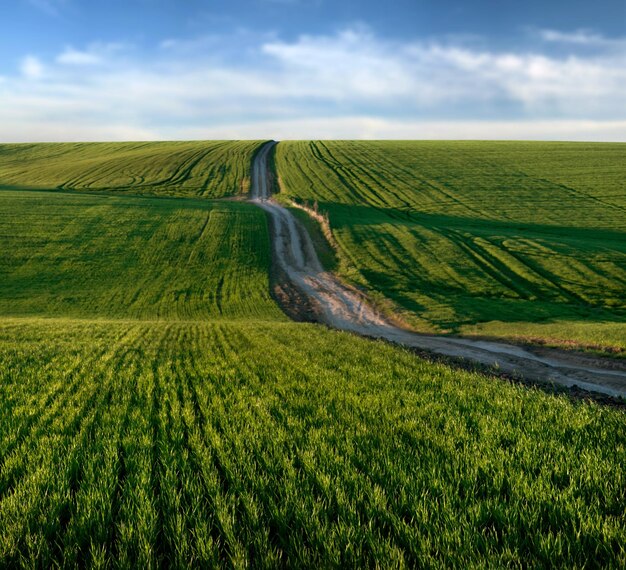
342	307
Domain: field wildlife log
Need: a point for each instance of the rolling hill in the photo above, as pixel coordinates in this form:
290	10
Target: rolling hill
158	408
521	240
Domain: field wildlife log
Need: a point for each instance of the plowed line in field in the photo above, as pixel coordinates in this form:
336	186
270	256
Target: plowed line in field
340	306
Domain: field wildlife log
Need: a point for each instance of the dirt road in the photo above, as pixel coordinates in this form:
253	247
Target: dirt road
338	305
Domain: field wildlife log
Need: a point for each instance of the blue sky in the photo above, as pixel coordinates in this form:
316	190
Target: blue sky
194	69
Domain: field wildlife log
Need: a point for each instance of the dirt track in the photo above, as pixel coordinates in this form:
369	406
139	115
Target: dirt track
342	307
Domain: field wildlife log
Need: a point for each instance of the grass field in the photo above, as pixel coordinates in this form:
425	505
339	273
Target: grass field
209	168
157	409
141	444
477	237
88	256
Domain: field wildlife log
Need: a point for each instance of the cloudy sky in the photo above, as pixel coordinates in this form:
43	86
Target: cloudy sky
419	69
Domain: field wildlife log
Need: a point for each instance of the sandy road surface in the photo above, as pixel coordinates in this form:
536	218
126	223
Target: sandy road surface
342	307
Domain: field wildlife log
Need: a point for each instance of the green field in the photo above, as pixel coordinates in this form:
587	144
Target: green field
210	169
158	409
480	237
82	256
210	443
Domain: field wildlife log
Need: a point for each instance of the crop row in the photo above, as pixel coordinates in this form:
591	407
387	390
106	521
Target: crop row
475	236
138	444
210	168
86	256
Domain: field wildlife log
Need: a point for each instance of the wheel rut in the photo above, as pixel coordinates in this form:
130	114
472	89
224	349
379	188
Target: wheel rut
340	306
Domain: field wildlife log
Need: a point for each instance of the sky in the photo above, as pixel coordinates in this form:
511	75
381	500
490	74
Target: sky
284	69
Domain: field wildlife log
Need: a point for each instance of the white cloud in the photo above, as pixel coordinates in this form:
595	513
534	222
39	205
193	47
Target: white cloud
63	131
353	82
567	85
363	127
354	65
351	64
581	38
95	54
75	57
169	43
578	37
31	67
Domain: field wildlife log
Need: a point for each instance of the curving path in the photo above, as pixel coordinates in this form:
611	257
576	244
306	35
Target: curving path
342	307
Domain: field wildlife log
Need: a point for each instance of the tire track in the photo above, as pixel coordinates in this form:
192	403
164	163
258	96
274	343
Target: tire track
340	306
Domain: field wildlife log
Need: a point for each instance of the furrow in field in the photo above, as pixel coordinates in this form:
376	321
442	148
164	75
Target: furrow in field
235	444
57	465
211	169
344	308
372	180
66	394
346	171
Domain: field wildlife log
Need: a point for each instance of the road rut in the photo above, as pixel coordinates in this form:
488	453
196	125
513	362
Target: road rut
340	306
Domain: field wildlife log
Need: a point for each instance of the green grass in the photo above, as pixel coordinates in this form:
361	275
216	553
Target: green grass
465	236
210	169
157	409
600	337
88	256
137	444
327	255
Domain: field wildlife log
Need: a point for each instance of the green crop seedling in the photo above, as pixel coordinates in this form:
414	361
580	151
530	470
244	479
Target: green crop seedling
157	408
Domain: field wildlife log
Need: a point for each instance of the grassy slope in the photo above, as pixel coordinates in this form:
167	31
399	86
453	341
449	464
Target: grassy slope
121	257
205	429
139	443
204	168
467	236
